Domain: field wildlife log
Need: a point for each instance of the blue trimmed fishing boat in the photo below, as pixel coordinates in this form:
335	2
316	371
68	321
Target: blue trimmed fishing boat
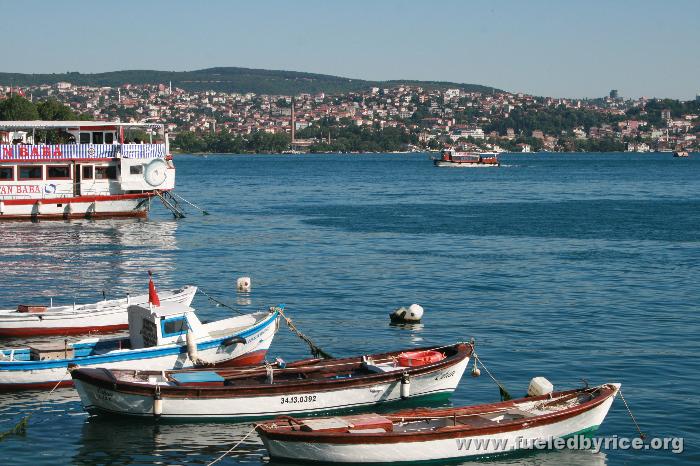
166	336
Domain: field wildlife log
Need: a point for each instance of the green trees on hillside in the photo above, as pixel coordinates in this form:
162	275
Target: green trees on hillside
225	142
551	120
16	108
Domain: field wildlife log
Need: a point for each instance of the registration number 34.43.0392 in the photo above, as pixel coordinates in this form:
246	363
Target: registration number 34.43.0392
298	399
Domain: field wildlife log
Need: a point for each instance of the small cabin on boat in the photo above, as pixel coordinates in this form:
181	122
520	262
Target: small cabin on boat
161	325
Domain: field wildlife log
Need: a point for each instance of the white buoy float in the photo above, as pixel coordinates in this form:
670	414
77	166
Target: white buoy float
405	386
411	315
243	284
157	404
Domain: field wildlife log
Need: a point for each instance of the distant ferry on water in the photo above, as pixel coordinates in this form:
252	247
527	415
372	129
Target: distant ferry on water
680	153
451	158
87	169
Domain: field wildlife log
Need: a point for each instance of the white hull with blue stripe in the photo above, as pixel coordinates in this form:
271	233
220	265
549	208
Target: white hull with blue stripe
158	340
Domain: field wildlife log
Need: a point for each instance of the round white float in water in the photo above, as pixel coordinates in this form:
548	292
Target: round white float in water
415	312
243	284
411	315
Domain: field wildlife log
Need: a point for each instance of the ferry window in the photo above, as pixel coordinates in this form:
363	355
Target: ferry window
106	173
31	172
84	138
7	174
58	172
109	138
172	327
87	172
97	138
136	169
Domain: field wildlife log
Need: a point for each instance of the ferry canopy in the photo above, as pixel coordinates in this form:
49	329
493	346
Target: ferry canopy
40	124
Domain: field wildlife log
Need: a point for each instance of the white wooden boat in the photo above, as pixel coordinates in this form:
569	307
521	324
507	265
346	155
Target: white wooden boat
439	434
169	336
103	316
308	386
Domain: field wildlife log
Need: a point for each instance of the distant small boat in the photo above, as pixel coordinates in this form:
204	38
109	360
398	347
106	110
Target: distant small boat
439	434
452	158
680	153
307	386
103	316
161	337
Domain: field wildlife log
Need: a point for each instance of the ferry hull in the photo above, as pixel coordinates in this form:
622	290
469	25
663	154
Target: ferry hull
80	207
443	163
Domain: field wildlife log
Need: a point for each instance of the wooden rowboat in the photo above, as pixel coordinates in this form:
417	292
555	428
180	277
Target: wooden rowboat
440	434
103	316
307	386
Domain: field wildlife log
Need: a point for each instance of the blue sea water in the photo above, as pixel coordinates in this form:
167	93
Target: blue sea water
569	266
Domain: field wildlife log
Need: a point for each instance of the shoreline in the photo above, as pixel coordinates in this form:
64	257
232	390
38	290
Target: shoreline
412	152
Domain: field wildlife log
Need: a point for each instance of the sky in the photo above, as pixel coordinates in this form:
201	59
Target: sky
546	48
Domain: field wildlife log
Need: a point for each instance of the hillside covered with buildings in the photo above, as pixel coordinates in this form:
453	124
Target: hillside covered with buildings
393	117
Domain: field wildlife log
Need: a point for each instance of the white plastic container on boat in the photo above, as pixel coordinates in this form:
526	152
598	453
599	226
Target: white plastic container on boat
539	386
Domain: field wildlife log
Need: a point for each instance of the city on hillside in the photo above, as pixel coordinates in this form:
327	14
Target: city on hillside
397	118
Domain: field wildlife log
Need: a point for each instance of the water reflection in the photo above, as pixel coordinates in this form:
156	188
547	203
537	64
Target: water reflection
78	260
128	441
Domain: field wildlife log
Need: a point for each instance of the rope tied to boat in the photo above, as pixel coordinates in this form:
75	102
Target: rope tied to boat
220	303
642	435
177	196
233	447
316	351
505	396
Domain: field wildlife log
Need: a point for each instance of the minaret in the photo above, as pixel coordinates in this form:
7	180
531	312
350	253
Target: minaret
170	88
119	95
293	121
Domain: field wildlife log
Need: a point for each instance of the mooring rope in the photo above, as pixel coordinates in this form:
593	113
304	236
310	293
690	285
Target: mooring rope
177	196
505	396
220	303
641	434
316	351
232	448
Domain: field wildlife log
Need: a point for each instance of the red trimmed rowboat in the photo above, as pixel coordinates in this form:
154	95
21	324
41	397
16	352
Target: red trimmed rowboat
440	434
308	386
103	316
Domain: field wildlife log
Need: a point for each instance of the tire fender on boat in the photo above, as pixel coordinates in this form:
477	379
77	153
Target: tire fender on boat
191	347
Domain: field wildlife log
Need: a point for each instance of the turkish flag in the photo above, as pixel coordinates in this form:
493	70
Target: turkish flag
152	293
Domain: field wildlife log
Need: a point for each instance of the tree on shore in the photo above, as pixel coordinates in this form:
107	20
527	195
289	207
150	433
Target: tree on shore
17	108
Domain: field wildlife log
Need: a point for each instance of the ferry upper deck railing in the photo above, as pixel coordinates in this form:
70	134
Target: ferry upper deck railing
50	152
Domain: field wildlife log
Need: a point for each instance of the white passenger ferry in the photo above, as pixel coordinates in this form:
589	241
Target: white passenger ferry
81	169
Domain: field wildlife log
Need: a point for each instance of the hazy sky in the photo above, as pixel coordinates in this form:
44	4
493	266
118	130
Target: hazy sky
555	48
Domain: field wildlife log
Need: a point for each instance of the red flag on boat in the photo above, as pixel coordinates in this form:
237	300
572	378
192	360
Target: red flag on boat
152	293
